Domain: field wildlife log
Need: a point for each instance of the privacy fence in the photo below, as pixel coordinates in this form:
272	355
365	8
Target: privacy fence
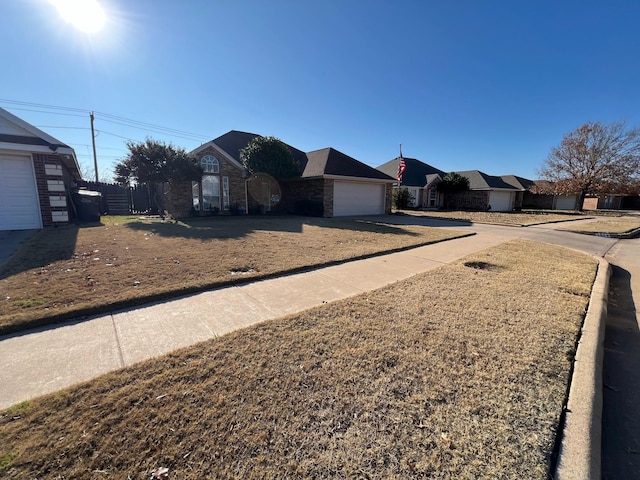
121	200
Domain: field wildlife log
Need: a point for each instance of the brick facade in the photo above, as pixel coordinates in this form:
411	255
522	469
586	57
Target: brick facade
50	171
537	200
237	178
312	197
469	200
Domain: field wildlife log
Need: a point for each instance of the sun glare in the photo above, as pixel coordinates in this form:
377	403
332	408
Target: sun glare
85	15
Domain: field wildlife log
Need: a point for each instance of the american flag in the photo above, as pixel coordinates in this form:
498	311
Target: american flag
401	168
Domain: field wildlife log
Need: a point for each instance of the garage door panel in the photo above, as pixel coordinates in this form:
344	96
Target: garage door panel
501	201
566	202
354	198
19	209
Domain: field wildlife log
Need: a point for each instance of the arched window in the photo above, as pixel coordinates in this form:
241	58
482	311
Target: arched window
210	164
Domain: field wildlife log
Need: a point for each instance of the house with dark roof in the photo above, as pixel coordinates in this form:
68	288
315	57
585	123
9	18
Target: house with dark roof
420	179
330	184
532	199
486	192
38	173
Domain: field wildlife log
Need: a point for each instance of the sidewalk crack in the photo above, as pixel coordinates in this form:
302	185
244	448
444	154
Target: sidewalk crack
115	332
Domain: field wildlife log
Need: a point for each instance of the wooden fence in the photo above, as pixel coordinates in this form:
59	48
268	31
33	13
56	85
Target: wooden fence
120	200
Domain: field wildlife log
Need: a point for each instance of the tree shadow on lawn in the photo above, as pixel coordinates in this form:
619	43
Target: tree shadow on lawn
43	248
224	227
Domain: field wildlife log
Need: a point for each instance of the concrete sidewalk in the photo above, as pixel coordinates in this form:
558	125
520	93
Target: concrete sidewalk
48	359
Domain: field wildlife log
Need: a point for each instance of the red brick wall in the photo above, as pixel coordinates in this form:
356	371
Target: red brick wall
39	161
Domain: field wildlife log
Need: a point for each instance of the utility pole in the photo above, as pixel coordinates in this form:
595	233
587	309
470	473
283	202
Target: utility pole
93	141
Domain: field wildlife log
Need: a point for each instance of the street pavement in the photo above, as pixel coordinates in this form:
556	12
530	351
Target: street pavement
621	376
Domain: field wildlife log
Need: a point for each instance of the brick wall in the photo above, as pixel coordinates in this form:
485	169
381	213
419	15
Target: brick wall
237	177
537	200
304	197
179	203
469	200
388	198
590	203
54	183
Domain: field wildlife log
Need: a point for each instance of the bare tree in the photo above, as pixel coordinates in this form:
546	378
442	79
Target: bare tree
594	159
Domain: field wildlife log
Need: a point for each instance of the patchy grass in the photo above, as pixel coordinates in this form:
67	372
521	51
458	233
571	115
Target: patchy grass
65	272
460	372
611	226
515	219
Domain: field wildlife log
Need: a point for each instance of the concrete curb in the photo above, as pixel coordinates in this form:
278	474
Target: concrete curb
579	455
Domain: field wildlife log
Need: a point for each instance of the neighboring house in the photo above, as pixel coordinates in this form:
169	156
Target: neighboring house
330	184
37	174
420	179
486	192
610	201
546	201
344	185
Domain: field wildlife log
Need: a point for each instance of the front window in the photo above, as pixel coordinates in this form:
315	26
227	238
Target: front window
225	193
210	164
210	192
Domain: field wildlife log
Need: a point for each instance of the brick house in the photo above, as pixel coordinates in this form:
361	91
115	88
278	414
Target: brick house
330	182
486	192
38	173
420	179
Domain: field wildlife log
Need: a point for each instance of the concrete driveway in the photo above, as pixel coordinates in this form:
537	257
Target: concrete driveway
10	241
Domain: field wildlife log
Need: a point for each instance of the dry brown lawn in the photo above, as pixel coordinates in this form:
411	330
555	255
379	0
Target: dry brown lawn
457	373
607	225
66	272
516	219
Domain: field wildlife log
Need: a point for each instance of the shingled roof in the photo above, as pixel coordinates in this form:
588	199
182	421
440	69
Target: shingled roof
329	161
481	181
518	182
234	141
415	173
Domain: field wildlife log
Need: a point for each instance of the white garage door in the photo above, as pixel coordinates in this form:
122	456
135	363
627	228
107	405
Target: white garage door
566	202
19	209
501	201
353	198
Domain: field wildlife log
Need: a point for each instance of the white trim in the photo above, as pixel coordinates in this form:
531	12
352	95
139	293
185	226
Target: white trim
55	186
349	179
19	147
57	200
60	216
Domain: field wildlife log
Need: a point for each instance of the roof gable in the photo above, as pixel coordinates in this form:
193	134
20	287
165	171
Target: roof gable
17	134
415	173
331	162
234	141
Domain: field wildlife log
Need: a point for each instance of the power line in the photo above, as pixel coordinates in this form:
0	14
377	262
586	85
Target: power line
49	113
114	119
55	126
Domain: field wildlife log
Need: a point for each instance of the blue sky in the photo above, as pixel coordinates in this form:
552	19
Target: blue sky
484	84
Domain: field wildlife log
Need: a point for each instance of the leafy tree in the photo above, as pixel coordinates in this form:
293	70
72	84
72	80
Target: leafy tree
451	184
153	161
402	198
269	155
594	159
